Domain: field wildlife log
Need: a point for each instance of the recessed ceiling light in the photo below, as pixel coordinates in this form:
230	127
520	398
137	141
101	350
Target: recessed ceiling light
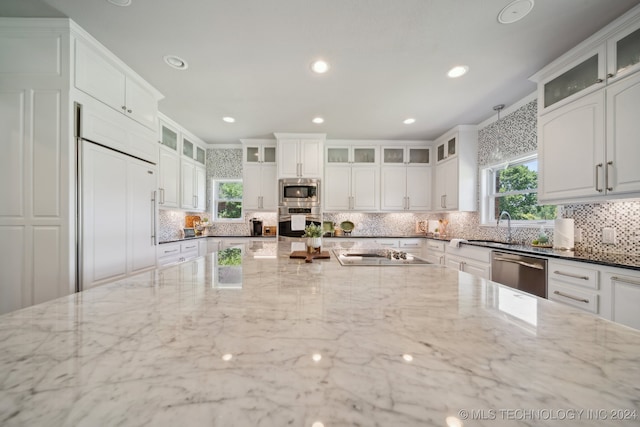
515	11
458	71
120	2
229	119
409	121
176	62
318	120
320	66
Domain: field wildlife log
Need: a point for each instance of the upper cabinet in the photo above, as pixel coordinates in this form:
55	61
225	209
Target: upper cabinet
259	175
406	155
405	178
588	104
300	155
98	74
455	184
604	58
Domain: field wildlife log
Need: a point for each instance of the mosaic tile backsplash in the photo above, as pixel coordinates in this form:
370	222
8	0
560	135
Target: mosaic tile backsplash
513	135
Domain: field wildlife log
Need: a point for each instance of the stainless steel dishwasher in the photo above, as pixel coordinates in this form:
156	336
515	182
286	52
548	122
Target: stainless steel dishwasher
527	274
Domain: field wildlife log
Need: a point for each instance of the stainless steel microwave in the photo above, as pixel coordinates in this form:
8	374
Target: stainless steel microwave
299	192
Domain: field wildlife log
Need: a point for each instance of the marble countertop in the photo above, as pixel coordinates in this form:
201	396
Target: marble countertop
253	338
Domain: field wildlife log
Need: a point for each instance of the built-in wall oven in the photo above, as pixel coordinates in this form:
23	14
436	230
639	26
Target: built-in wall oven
299	192
292	220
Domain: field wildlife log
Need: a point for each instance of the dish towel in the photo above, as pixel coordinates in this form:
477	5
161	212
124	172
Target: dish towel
298	222
455	243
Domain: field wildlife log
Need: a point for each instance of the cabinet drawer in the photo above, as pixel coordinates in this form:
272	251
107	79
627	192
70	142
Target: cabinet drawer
471	252
574	274
168	250
435	245
411	243
186	247
585	300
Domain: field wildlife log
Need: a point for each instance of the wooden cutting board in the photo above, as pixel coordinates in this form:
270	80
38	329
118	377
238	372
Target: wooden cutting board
309	257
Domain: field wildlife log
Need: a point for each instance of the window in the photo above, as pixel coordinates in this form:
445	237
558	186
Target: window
227	200
513	187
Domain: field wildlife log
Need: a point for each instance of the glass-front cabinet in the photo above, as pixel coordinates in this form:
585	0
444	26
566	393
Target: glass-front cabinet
260	153
337	155
446	149
406	155
623	52
580	77
168	136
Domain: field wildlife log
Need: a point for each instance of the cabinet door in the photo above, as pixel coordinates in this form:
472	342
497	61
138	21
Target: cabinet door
337	188
104	214
200	188
622	173
364	188
623	53
251	186
446	186
169	179
288	158
269	181
311	158
393	182
142	105
625	299
98	77
188	185
141	183
571	150
477	269
419	188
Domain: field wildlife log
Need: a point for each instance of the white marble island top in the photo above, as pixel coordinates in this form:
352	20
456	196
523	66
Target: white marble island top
278	342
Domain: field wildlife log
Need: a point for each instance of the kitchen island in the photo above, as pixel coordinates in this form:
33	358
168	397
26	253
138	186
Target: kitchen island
249	337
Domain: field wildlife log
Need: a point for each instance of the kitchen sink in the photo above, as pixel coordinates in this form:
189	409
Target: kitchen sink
377	257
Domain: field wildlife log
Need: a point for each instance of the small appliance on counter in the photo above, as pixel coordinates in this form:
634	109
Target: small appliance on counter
256	226
269	230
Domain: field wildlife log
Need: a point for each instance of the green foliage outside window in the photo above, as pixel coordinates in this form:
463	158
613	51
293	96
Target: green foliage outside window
228	200
524	205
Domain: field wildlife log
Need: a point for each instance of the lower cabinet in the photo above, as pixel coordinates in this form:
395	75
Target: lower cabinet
434	251
470	259
625	295
574	284
176	252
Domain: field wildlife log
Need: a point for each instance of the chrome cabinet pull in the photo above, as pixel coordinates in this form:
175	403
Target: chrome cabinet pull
522	263
562	294
606	176
598	189
153	218
575	276
599	80
624	280
610	75
171	251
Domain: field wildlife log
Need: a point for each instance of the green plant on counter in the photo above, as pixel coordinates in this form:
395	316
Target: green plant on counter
313	230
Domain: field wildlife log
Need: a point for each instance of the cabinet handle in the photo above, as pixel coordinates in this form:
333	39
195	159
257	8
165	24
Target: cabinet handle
171	251
599	80
461	265
606	176
610	75
623	280
195	201
441	260
598	189
124	108
129	111
562	294
190	247
575	276
153	218
161	201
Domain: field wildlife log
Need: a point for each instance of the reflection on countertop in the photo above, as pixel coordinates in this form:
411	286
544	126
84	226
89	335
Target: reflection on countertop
246	339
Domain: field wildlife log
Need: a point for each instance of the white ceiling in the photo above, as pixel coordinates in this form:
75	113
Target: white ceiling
250	59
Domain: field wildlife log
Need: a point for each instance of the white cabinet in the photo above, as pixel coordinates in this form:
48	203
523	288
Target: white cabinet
471	259
351	188
600	141
259	175
455	183
99	75
434	251
300	155
168	179
193	186
177	252
576	284
118	215
625	296
405	178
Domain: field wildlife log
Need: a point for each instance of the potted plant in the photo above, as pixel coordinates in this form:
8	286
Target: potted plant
313	233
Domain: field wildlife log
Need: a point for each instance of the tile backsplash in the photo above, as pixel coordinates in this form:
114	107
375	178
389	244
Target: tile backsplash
513	135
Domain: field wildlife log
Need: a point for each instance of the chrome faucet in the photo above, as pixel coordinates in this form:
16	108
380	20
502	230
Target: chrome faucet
503	213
